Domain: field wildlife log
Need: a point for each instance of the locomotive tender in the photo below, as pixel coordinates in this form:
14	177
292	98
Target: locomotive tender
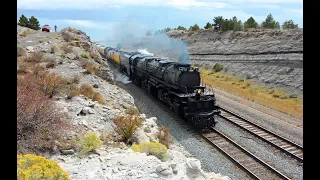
178	85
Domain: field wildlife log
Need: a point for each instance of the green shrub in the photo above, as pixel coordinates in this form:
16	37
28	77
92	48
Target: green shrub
63	55
217	67
89	143
35	167
85	55
293	96
152	148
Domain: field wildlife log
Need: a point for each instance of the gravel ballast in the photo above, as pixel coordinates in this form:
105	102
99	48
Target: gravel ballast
263	150
183	134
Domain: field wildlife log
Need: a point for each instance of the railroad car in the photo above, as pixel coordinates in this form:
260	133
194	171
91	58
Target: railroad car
176	84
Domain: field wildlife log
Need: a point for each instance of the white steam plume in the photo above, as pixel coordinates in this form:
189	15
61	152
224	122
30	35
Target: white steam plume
122	78
145	52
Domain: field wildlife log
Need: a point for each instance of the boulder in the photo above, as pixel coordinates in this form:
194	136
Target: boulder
67	151
139	137
164	169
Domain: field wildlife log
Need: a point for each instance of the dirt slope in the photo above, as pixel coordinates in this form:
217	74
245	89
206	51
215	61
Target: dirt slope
270	57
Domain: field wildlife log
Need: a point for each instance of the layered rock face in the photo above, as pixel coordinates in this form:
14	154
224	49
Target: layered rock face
270	57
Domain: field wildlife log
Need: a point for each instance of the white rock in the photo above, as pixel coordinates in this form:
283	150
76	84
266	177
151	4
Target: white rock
153	175
87	110
115	170
139	137
164	169
193	164
30	49
143	116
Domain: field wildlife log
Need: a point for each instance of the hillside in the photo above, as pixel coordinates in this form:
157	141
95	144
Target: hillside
273	58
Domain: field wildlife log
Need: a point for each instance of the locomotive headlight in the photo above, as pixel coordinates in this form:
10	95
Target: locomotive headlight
199	91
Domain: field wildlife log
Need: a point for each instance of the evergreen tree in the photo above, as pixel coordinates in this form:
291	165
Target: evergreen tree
195	27
23	21
250	23
217	22
167	29
289	25
181	28
270	23
34	23
238	26
208	25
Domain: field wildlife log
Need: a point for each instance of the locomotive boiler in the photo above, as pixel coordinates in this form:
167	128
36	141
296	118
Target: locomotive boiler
178	85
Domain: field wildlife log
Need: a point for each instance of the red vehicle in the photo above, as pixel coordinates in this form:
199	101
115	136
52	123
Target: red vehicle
46	28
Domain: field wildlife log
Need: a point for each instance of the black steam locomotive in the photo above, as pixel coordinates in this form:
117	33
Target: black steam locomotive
176	84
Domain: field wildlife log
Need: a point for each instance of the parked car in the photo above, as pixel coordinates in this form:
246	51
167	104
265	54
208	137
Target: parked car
46	28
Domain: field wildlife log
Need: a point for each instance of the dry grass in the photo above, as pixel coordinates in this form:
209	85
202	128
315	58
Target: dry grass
26	33
21	51
164	136
23	68
94	55
72	91
51	62
39	121
53	49
76	43
67	36
66	48
51	84
35	57
126	125
88	91
272	98
90	67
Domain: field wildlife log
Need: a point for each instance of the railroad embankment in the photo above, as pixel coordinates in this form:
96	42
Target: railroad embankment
71	110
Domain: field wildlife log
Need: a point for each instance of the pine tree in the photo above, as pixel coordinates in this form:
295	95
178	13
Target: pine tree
250	23
208	25
289	25
194	27
217	22
23	21
34	23
270	23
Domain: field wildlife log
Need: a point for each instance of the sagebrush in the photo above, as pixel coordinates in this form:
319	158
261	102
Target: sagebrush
126	125
88	91
89	143
152	148
39	120
33	167
164	136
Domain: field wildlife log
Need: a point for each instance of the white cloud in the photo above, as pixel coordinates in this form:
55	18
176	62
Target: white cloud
100	4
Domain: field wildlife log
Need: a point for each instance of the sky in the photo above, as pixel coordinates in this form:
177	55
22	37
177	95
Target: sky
105	20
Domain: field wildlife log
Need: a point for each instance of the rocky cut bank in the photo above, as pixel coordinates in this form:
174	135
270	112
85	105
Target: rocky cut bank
273	58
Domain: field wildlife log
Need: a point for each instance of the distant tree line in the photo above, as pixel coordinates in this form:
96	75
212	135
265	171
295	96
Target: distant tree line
234	24
31	23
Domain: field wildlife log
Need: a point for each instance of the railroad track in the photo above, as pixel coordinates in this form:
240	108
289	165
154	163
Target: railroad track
251	164
290	148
